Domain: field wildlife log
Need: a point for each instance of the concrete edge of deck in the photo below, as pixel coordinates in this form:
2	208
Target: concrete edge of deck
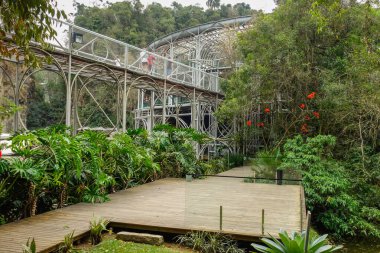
180	231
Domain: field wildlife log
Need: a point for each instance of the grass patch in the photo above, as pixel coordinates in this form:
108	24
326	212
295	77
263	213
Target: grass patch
117	246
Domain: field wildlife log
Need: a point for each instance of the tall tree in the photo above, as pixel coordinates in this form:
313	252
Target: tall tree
325	47
213	4
24	21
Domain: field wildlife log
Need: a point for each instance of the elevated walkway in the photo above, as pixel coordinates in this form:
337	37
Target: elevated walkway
93	46
83	58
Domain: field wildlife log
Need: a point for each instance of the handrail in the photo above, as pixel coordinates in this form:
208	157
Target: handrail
188	75
198	29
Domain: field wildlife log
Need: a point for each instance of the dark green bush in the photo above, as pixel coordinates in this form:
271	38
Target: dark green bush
236	160
211	167
331	194
56	168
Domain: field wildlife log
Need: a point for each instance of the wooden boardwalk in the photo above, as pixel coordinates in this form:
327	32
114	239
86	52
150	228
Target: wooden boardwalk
170	205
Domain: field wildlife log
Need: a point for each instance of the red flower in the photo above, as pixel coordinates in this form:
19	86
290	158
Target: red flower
1	153
249	123
307	117
260	124
302	106
267	110
316	114
304	128
311	95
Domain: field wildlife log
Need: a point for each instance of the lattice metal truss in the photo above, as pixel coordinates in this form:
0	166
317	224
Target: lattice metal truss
208	47
178	94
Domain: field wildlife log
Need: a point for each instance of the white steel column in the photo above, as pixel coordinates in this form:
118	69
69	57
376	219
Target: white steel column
194	112
164	104
152	100
17	101
68	87
124	127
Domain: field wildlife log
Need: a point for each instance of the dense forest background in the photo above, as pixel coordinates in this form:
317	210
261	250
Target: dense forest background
132	23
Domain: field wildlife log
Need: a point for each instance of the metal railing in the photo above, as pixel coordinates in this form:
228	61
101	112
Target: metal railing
91	45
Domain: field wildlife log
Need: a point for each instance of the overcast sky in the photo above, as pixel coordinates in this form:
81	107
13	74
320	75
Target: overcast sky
266	5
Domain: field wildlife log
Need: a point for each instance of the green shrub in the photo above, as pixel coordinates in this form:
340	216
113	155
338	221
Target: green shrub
7	109
97	226
330	195
127	160
174	149
56	168
30	246
295	243
211	167
68	243
266	162
236	160
206	242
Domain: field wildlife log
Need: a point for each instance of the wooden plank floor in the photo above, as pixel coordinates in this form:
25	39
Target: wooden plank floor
170	205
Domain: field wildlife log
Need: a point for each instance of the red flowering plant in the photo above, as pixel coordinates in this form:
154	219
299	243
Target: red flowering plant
260	124
316	115
302	106
307	117
249	123
267	110
311	95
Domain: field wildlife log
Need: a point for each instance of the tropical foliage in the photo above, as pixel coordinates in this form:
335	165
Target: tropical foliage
57	169
30	246
338	206
7	108
97	226
295	243
68	243
27	21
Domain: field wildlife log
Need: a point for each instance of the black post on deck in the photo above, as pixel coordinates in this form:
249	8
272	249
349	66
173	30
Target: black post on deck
262	221
279	176
220	218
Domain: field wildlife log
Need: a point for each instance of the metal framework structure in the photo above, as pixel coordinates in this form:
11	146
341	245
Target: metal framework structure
184	94
208	47
168	91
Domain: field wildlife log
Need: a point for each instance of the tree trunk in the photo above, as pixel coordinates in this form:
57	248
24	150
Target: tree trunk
33	206
32	200
63	196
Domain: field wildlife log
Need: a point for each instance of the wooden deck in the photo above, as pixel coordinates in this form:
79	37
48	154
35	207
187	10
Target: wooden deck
170	205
